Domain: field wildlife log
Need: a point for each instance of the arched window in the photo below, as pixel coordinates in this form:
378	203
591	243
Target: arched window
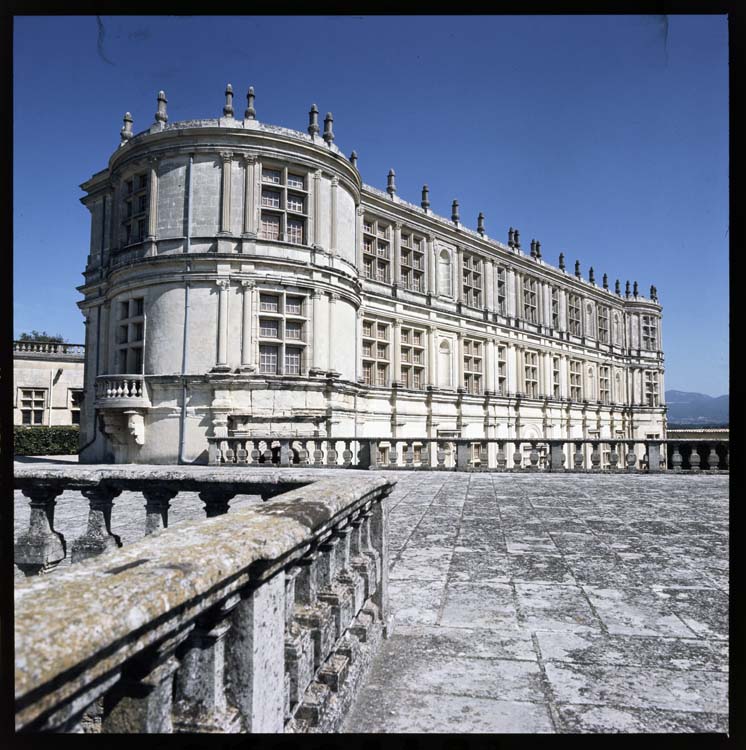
445	281
445	365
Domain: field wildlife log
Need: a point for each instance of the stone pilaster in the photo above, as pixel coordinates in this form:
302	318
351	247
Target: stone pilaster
396	259
316	195
331	349
152	207
490	366
432	349
318	332
249	198
333	215
247	351
222	360
396	358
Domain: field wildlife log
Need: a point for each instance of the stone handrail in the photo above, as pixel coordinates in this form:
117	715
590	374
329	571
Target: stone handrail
48	347
260	620
111	389
473	454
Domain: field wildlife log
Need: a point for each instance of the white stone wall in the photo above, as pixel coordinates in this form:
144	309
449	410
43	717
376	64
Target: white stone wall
40	375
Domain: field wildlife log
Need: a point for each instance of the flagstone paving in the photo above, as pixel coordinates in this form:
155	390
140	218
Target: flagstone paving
553	604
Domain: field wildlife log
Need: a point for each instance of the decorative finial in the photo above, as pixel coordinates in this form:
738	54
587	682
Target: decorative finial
562	262
634	289
126	132
577	268
606	282
626	290
454	212
538	249
425	202
516	239
533	248
391	183
161	115
313	120
328	133
591	275
480	223
228	108
353	159
250	113
653	293
617	288
511	239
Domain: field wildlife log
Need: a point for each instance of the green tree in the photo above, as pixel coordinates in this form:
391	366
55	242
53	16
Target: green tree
42	336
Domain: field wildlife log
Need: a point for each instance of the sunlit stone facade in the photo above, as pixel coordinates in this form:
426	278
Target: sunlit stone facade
241	277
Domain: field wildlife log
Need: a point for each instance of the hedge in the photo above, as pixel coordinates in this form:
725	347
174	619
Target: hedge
46	441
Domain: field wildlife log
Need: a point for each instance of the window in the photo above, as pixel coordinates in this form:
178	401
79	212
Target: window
473	366
33	404
573	314
651	388
412	259
445	280
502	370
604	387
649	333
603	324
412	357
376	352
531	371
282	322
555	377
130	336
377	250
76	400
283	206
501	290
529	299
472	280
555	308
576	381
134	223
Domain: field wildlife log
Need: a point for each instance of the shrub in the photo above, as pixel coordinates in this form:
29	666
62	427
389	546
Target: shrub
46	441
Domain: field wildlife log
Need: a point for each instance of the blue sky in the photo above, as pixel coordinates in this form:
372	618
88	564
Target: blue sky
605	137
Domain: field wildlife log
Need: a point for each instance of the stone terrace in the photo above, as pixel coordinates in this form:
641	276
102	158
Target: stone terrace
535	603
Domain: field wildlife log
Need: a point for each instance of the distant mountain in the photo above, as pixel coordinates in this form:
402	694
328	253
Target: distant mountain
696	409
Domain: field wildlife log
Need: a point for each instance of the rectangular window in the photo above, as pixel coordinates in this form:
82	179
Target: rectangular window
473	352
271	198
472	280
295	231
33	405
651	388
292	361
555	377
376	250
604	380
501	290
134	224
555	307
269	328
296	181
76	401
367	372
375	352
649	333
268	360
130	336
284	222
531	371
576	380
603	324
293	330
529	299
412	357
270	227
573	314
367	268
294	305
269	303
272	175
296	203
502	370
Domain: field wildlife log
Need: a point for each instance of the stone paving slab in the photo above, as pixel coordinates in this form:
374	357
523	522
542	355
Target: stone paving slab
544	603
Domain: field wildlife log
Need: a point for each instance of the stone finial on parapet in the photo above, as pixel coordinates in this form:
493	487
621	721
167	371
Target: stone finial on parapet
626	290
454	212
480	223
228	107
353	159
653	293
634	289
605	282
562	262
313	120
516	239
591	275
577	269
161	115
617	288
328	132
511	237
250	113
538	249
533	248
126	132
425	202
391	183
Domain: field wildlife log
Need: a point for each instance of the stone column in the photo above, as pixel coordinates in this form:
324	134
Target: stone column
547	357
98	537
157	503
489	285
247	351
226	159
458	289
331	348
510	306
41	548
432	342
396	260
490	366
317	366
432	266
563	309
519	370
316	195
460	359
249	197
359	212
222	361
153	205
396	359
333	215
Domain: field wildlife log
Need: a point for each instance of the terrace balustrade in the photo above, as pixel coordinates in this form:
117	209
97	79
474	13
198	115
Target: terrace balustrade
262	618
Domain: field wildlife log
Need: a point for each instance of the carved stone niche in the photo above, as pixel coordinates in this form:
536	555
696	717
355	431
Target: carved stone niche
125	429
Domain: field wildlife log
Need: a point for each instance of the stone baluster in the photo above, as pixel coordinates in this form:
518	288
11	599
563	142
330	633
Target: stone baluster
302	453
358	560
409	454
517	455
216	500
676	458
97	537
534	456
556	455
372	454
654	457
345	573
242	455
347	454
578	456
631	457
255	453
595	456
713	459
694	459
331	452
41	548
501	457
367	548
285	454
613	457
200	699
440	455
393	457
141	702
484	458
425	453
229	454
318	454
157	502
726	458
